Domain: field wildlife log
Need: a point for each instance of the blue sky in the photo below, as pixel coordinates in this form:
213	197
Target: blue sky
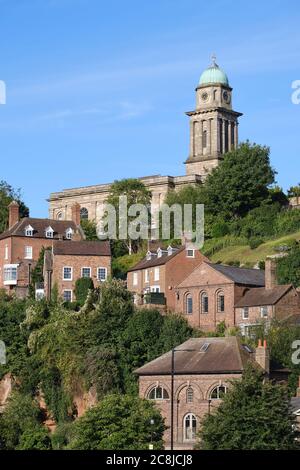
97	90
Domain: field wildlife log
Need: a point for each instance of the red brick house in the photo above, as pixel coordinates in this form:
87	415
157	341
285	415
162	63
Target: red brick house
66	262
161	271
208	295
21	244
203	369
215	293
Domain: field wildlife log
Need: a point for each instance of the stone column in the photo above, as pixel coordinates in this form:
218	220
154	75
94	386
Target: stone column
209	136
230	140
192	139
236	135
200	149
223	134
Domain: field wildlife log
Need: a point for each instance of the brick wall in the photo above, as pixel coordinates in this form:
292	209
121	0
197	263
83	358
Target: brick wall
202	386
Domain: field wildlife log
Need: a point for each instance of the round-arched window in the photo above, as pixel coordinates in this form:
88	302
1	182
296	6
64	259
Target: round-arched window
190	427
189	304
204	303
218	392
84	213
158	393
220	302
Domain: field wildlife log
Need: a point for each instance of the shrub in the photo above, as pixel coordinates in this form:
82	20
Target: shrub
82	286
255	242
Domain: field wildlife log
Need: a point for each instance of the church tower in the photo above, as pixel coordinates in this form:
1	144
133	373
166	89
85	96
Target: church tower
213	124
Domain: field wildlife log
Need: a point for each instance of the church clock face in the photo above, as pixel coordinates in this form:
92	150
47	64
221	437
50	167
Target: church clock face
204	96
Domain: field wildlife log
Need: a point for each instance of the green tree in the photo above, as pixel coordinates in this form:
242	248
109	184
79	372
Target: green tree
288	268
254	415
82	287
7	195
90	229
241	182
119	422
136	193
20	425
294	191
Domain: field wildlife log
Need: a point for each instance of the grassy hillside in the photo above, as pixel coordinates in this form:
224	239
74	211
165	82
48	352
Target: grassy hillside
241	252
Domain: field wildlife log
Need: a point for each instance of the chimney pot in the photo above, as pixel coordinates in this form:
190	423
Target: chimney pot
259	343
265	343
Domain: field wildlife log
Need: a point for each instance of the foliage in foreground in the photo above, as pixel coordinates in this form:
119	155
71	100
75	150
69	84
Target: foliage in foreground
254	415
118	422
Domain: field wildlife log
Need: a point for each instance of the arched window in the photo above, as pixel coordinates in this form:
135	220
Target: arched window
84	213
158	393
220	302
218	392
189	304
204	302
59	216
189	395
190	427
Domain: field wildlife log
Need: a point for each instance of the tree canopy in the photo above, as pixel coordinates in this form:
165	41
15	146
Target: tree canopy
254	415
7	195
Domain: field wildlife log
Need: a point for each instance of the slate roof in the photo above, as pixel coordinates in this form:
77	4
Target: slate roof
155	261
82	248
39	226
261	296
245	276
223	355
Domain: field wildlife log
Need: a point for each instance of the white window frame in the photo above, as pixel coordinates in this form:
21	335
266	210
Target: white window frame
67	279
49	232
156	274
90	271
68	290
264	308
29	231
135	279
245	317
190	255
69	234
11	279
146	275
155	289
28	252
98	271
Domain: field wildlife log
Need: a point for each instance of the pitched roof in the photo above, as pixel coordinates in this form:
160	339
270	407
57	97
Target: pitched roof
223	355
155	261
39	226
82	248
246	276
261	296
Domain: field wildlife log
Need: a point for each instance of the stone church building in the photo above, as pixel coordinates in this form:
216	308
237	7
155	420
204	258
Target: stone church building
213	132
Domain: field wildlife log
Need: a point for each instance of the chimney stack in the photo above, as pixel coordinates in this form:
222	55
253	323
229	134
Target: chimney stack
76	213
262	356
14	216
270	273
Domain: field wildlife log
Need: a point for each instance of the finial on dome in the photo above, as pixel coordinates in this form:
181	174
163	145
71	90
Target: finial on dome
214	58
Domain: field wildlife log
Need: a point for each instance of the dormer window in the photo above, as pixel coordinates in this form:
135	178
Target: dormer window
69	234
171	250
29	231
150	255
160	252
49	232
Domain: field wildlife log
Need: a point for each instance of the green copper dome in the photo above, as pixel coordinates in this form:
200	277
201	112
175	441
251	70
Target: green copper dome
213	74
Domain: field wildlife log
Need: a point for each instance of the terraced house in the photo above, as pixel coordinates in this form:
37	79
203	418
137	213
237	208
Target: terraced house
74	257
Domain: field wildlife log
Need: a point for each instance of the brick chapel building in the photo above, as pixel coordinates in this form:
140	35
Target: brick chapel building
203	369
215	293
